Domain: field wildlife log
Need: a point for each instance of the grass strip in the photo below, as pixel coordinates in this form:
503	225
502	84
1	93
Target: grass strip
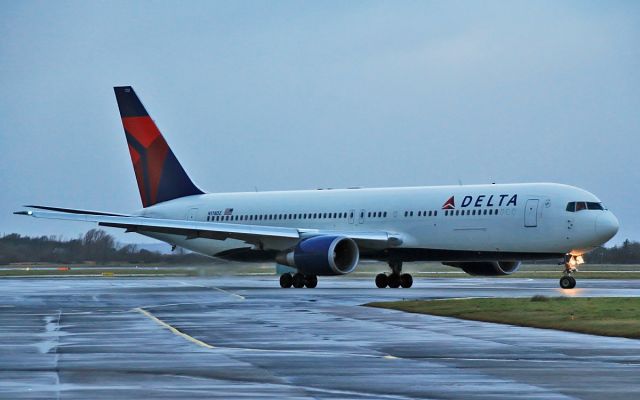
606	316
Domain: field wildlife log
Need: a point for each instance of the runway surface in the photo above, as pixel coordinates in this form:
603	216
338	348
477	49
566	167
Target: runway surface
243	337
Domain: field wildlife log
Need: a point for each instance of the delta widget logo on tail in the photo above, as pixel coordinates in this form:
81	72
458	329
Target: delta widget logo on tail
482	200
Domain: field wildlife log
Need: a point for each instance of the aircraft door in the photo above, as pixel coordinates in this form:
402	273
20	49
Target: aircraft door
361	219
352	214
531	213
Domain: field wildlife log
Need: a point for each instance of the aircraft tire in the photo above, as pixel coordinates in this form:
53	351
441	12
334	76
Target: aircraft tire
394	281
381	281
311	281
406	280
286	280
298	281
567	282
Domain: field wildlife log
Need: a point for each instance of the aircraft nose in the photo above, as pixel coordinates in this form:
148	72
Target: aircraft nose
606	226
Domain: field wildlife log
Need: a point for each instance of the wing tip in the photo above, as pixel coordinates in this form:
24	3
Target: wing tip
23	212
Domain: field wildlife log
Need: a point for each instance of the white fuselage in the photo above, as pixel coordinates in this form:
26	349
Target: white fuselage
523	220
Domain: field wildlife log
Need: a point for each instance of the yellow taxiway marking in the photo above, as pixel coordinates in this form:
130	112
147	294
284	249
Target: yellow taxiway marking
174	330
200	343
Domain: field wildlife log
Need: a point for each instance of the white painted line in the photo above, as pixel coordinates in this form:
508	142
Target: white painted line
173	330
215	288
228	292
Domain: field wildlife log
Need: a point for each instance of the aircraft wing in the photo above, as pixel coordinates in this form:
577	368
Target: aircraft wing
212	230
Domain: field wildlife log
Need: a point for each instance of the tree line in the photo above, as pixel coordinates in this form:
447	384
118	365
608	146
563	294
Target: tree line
98	246
94	246
626	253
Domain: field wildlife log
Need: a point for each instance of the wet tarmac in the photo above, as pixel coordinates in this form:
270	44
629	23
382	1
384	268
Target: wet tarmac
242	337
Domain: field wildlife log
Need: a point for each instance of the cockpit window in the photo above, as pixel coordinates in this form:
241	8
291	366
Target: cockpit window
576	206
594	206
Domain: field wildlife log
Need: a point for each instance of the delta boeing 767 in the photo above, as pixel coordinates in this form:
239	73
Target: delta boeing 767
484	230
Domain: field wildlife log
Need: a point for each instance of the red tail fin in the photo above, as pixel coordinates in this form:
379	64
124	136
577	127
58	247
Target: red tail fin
159	174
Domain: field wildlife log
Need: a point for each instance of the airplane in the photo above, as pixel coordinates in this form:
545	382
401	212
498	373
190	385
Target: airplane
484	230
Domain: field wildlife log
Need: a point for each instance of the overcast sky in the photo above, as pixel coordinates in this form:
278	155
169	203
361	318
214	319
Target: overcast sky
295	95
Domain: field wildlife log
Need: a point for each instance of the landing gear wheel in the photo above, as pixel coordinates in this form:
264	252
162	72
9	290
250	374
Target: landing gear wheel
406	280
567	282
394	281
298	281
570	266
311	281
381	281
286	280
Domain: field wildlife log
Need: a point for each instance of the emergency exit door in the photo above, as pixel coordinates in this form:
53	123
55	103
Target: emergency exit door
531	213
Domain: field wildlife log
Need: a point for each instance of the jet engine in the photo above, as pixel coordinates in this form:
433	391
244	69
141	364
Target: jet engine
322	255
487	268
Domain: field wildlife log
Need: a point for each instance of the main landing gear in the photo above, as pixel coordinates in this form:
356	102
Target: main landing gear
298	280
570	266
396	278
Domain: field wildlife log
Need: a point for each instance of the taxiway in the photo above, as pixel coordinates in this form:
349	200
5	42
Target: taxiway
244	337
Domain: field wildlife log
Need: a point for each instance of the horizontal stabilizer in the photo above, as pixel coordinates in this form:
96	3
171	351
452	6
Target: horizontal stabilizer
74	211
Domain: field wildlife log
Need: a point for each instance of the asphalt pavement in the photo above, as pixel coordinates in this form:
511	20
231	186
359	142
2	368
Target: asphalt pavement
244	337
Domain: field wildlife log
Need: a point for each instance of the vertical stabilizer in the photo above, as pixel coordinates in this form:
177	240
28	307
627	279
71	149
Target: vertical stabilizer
159	175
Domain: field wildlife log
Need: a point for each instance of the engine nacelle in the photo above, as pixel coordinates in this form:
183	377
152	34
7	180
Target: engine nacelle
487	268
322	255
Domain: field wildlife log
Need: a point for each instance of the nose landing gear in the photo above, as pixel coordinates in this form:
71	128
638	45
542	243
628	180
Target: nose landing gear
571	263
396	278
